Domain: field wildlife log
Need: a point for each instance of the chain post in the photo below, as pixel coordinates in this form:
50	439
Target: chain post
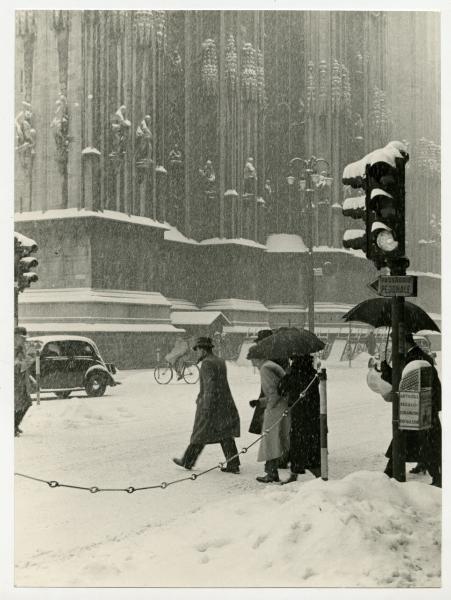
38	377
323	423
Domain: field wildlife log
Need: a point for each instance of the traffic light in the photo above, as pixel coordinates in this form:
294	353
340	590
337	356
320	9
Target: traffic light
355	239
386	201
24	263
381	175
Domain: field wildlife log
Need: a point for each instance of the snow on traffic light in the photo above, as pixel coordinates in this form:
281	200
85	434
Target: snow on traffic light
24	263
381	174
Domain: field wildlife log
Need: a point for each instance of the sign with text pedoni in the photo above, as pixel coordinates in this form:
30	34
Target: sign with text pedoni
396	285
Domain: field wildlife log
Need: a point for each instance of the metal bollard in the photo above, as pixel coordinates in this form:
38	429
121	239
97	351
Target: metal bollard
38	377
323	423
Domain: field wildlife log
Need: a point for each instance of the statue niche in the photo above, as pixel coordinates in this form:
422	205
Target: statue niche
250	177
208	178
144	148
120	131
25	136
60	127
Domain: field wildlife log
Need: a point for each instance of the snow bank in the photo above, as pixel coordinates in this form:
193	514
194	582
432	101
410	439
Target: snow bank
363	530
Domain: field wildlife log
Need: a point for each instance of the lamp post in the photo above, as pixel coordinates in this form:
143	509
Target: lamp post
312	178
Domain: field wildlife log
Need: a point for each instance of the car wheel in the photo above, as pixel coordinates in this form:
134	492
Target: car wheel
95	384
63	395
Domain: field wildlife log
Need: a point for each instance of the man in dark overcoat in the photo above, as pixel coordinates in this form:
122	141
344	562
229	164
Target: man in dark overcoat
22	400
423	446
217	420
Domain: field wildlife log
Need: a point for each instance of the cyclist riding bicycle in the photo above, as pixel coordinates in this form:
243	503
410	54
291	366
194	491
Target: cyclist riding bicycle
177	355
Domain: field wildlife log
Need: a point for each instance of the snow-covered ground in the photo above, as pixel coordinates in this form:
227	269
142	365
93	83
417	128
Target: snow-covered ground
357	529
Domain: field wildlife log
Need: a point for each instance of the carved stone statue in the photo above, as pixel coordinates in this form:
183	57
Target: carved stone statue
144	139
176	62
60	127
25	134
120	129
358	128
208	177
268	190
250	177
175	156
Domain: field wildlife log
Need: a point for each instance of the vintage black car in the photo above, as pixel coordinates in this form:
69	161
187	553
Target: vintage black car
69	364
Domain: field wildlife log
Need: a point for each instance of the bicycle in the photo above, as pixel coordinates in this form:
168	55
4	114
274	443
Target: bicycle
164	373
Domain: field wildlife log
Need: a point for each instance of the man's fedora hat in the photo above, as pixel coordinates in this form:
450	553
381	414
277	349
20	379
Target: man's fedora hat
203	342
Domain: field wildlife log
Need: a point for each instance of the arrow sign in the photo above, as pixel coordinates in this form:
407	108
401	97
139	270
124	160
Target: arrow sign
395	285
374	286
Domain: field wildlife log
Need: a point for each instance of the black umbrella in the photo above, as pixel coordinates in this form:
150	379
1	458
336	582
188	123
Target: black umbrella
377	312
286	342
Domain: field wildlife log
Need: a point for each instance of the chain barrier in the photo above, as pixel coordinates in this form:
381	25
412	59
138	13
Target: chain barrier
193	476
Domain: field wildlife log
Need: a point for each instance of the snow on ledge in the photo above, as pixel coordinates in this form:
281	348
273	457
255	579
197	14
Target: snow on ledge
174	235
33	296
71	213
232	241
235	304
102	327
181	304
285	242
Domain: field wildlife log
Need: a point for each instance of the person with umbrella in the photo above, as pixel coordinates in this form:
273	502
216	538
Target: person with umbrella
285	342
423	446
259	410
305	441
217	420
276	438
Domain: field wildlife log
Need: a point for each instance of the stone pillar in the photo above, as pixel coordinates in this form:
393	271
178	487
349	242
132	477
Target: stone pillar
75	101
47	188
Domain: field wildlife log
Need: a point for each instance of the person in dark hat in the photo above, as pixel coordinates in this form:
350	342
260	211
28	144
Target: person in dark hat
22	400
217	420
423	447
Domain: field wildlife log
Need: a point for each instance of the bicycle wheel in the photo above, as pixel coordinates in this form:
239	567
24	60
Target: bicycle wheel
163	374
191	373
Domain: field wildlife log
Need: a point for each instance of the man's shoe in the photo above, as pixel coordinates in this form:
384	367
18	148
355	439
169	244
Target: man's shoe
179	377
235	470
268	478
437	483
179	462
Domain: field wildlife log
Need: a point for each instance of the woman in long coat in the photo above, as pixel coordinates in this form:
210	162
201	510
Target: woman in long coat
277	441
305	441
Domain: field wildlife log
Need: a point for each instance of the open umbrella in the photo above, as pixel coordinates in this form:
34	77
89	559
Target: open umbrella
377	312
286	342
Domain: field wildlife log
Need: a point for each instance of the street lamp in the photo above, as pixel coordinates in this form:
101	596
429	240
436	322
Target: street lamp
305	183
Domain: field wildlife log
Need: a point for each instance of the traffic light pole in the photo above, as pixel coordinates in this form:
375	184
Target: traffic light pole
398	359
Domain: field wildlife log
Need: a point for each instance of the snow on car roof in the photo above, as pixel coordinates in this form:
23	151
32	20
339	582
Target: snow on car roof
60	338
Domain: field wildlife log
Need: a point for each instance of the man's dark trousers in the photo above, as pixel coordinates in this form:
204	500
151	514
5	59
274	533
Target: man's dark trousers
228	447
